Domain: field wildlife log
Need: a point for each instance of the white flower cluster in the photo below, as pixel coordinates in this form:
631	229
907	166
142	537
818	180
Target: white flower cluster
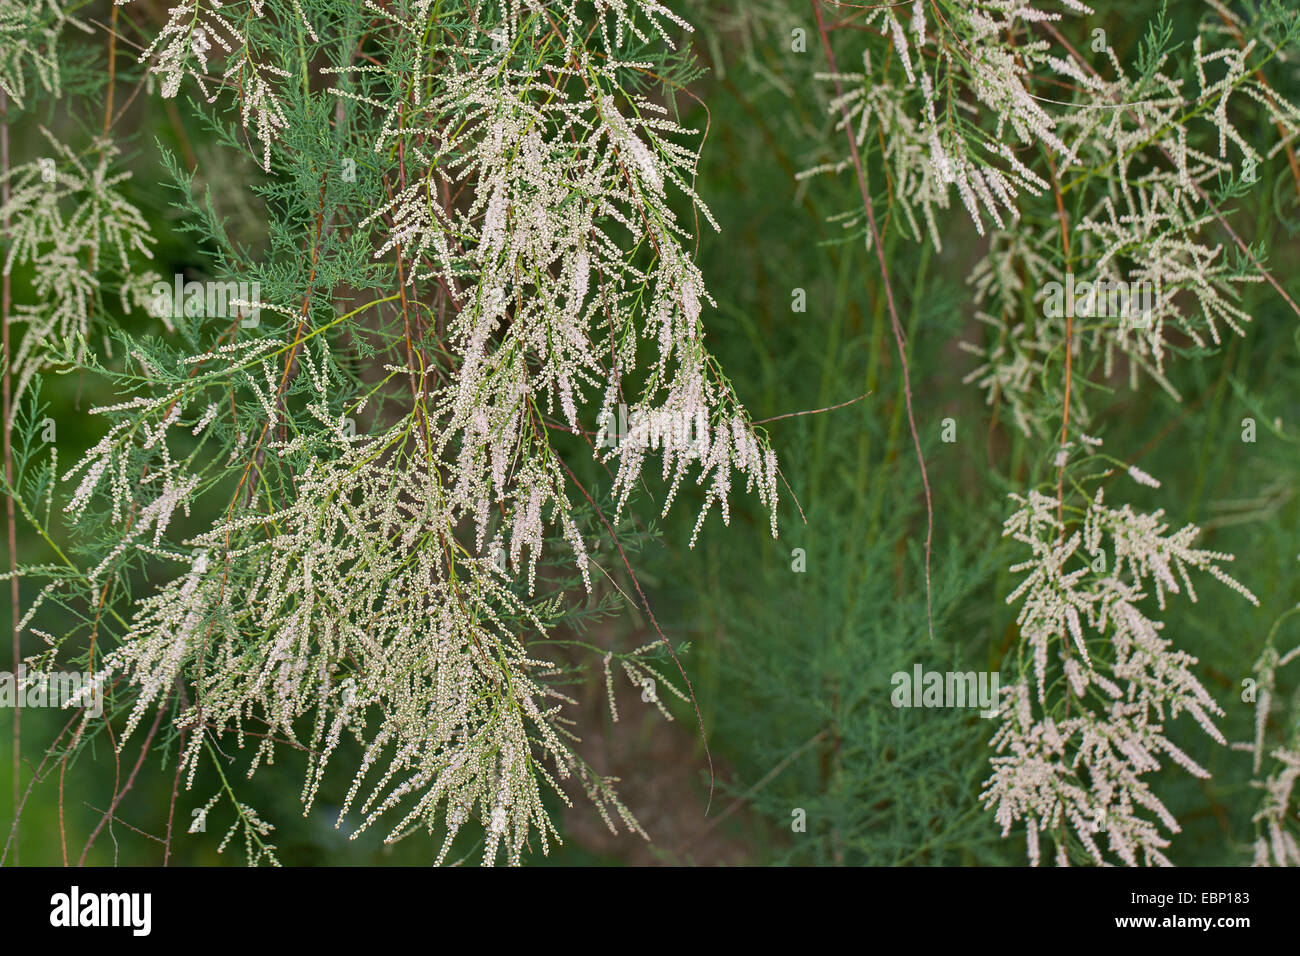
1147	221
1275	821
381	585
936	141
70	223
196	29
29	36
563	258
133	463
1073	750
1278	847
958	102
363	600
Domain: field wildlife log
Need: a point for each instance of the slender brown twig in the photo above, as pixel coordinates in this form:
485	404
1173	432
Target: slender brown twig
894	322
1069	343
120	795
813	411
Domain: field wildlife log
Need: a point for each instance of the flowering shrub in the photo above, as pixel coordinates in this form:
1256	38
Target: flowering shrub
1120	183
392	317
472	247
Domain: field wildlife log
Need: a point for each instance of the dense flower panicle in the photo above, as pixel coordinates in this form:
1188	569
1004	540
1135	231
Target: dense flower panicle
29	37
932	156
71	224
198	29
553	296
1146	225
1277	839
381	586
1078	765
364	599
1104	249
952	108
